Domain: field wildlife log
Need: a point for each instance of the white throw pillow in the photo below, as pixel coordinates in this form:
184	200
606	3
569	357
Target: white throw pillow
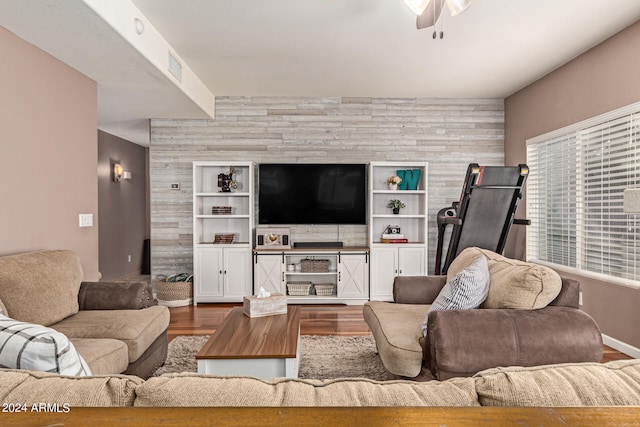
466	290
38	348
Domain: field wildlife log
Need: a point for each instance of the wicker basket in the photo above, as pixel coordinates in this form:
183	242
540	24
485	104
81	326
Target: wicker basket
314	265
174	294
324	289
298	289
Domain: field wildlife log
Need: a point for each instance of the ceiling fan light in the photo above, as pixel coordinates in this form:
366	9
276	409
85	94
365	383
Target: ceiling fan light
458	6
417	6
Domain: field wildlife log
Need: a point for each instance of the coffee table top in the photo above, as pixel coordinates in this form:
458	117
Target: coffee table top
243	337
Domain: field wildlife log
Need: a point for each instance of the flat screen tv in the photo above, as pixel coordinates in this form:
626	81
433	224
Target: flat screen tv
296	193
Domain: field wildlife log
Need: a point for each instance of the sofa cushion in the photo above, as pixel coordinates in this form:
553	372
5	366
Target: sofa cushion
396	329
30	387
138	329
579	384
205	390
514	284
466	290
42	287
104	356
27	346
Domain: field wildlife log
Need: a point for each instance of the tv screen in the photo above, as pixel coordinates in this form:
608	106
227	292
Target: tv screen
311	193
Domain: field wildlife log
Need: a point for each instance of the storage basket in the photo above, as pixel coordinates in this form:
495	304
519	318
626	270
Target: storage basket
314	265
324	289
174	294
298	289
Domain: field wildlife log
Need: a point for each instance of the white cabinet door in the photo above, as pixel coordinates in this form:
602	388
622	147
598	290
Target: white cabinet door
269	274
353	276
384	268
208	274
237	272
411	262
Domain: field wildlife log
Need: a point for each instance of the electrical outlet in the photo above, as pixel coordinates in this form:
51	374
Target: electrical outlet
580	298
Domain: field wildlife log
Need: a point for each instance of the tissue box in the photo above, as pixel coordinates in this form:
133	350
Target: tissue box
253	306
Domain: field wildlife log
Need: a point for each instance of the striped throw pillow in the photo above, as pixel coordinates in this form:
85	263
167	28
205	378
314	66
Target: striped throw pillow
466	290
38	348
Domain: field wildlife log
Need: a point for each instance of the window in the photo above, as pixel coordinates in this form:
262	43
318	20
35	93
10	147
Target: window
575	196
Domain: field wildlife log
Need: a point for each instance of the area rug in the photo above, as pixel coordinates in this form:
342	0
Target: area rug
321	357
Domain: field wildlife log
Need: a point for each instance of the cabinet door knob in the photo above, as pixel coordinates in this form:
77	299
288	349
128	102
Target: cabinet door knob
220	272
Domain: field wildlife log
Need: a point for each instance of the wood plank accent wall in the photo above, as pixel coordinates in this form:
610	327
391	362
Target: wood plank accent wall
447	133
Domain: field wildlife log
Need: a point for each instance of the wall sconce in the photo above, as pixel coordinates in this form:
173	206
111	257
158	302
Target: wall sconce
117	172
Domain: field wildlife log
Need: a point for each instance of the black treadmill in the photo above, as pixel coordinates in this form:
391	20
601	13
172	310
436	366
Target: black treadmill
484	214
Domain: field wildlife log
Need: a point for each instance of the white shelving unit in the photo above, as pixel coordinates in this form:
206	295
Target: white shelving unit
222	271
348	272
389	260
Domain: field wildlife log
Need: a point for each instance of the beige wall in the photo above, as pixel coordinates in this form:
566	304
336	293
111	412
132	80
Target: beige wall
123	208
48	147
600	80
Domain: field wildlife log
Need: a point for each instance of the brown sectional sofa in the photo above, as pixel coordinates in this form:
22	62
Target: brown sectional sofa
116	327
463	342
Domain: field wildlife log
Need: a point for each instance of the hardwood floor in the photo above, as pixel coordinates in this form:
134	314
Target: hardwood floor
314	319
347	320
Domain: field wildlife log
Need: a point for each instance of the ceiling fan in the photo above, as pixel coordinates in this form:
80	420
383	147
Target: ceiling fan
428	14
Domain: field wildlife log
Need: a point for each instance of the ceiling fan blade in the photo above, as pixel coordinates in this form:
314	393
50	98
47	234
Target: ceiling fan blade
430	15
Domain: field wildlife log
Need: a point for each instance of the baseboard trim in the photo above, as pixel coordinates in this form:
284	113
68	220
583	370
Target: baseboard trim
623	347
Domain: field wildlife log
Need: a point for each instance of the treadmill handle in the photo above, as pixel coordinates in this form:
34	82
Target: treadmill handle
452	220
518	221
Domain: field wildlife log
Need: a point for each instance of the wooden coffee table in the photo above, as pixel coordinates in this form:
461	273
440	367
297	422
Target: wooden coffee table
263	347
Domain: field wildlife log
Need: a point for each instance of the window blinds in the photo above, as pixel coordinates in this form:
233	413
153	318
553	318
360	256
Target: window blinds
575	196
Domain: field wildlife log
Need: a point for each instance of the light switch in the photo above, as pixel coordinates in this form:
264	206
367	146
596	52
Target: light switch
86	220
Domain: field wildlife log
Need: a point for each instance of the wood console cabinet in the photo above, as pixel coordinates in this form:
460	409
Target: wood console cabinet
348	272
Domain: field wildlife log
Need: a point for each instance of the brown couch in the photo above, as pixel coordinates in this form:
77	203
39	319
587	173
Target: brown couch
116	327
460	343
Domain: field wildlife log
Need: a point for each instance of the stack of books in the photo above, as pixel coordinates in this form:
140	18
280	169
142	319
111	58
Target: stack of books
393	238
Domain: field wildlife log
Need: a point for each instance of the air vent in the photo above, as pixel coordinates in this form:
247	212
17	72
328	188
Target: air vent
175	67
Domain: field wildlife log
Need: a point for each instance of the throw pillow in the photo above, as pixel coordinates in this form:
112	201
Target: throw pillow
514	284
38	348
466	290
3	309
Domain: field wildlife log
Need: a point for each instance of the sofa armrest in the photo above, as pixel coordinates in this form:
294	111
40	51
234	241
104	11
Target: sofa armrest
464	342
417	289
115	296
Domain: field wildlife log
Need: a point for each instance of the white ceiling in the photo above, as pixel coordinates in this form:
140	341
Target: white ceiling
314	48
